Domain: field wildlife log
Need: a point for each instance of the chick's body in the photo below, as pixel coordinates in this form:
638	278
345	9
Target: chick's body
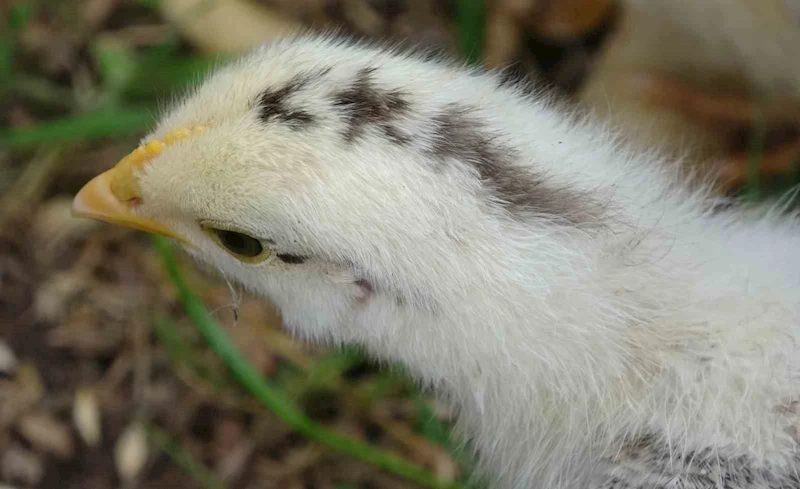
594	320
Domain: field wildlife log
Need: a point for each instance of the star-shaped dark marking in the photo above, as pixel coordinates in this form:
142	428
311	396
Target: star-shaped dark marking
365	105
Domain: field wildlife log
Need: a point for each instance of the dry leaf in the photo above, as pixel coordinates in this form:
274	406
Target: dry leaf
30	383
130	452
86	416
235	461
8	361
21	465
47	433
55	294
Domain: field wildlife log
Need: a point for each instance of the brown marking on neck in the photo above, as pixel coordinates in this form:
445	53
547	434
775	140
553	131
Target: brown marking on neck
460	136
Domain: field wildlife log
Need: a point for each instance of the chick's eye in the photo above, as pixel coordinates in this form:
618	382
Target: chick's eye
239	243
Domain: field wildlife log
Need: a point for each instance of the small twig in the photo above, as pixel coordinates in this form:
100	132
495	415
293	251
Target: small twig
40	90
32	184
142	366
37	176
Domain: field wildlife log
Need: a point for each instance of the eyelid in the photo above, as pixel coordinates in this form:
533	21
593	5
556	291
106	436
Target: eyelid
206	224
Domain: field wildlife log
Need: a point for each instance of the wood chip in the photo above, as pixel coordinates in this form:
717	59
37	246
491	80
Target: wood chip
8	361
46	433
55	294
86	416
20	465
131	452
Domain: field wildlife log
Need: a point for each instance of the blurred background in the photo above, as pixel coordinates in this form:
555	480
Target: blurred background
105	382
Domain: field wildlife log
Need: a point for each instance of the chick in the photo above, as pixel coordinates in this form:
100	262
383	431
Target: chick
596	321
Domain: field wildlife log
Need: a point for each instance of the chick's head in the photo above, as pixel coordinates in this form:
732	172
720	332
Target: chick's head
277	171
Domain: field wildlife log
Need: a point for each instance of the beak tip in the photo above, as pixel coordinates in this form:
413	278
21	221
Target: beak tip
95	202
75	210
79	208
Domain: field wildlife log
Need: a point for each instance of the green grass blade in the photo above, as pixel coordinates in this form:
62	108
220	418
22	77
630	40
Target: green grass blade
163	76
202	475
471	21
430	426
755	155
95	125
182	354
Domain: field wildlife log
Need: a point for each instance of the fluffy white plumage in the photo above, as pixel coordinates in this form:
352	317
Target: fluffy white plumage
595	320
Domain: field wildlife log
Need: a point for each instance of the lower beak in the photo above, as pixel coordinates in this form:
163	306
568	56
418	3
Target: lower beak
96	201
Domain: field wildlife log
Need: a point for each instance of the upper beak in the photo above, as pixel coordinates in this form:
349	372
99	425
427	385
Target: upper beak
96	201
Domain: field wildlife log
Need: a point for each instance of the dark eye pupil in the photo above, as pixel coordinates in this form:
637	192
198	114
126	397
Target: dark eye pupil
240	244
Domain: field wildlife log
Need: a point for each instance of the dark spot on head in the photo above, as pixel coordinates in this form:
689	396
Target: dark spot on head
274	103
289	258
365	104
459	136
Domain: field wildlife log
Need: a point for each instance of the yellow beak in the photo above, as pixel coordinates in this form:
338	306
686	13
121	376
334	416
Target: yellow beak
96	201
